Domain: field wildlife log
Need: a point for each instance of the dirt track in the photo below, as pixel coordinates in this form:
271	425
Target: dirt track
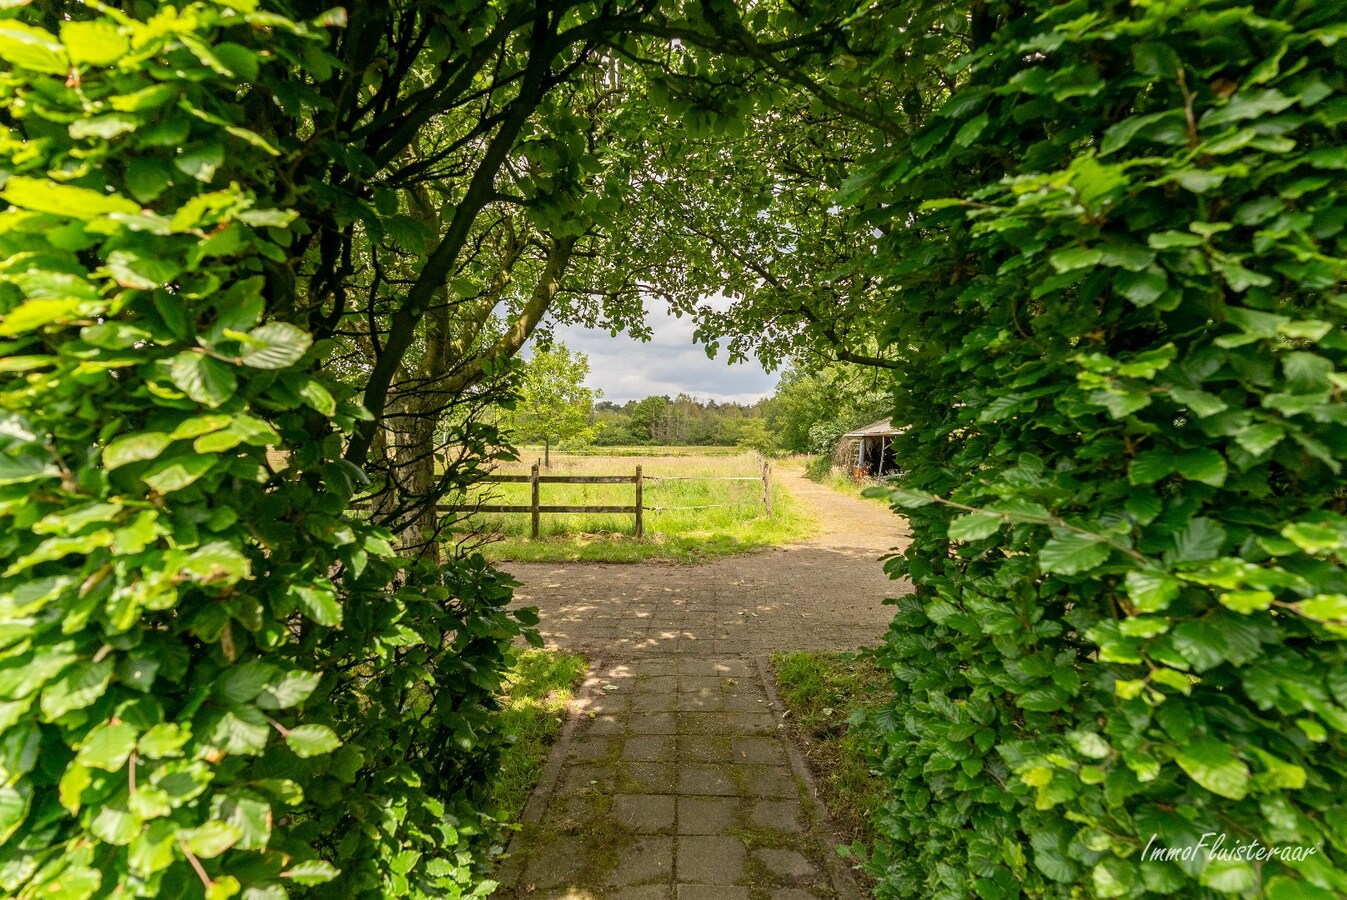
824	593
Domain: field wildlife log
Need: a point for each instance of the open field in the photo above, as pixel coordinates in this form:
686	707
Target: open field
734	522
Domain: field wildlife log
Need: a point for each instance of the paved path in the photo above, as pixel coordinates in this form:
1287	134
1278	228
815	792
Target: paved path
677	780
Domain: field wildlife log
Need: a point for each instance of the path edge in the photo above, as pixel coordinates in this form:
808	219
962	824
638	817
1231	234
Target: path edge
843	883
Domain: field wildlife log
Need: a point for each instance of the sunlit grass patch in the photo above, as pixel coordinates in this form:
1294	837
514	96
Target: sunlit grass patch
821	690
538	687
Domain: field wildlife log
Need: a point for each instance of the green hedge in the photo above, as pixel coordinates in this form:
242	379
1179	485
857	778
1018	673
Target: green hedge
1116	257
212	682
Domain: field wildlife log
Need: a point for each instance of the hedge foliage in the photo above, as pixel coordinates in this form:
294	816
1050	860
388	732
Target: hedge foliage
212	681
1116	257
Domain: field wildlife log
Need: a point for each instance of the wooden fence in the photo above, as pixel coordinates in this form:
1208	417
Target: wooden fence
536	507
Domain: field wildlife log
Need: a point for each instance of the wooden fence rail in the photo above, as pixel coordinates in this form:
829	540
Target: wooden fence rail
536	508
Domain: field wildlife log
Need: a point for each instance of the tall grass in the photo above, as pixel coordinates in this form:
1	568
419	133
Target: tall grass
692	518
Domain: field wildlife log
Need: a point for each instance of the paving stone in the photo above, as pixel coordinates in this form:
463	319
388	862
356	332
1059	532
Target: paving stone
786	864
606	725
644	892
649	748
758	750
588	779
646	859
692	684
725	723
744	703
613	704
710	860
769	781
711	892
717	667
656	684
651	703
644	812
650	778
793	894
707	779
781	814
706	815
556	862
592	747
571	808
704	748
653	723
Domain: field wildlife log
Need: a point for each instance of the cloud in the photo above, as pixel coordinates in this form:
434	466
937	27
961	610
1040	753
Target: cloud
669	363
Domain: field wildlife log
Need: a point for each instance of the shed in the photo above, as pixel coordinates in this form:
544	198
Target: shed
870	449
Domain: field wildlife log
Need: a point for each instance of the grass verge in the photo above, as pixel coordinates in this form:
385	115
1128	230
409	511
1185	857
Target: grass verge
537	689
821	690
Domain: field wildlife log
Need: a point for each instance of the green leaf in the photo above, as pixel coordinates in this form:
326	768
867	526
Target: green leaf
1229	876
250	814
163	740
96	43
1071	552
205	380
15	800
177	473
1315	538
1151	466
974	526
77	688
34	314
319	604
311	872
135	448
115	824
1281	887
1142	288
312	740
275	346
1202	643
290	690
1151	591
1258	439
1325	607
1215	767
32	48
1074	258
1205	466
211	839
1201	538
107	746
41	195
1245	602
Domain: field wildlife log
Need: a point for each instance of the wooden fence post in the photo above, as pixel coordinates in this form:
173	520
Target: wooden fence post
640	524
534	482
767	487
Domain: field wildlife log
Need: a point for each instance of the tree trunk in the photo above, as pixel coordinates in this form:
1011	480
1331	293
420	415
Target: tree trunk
547	453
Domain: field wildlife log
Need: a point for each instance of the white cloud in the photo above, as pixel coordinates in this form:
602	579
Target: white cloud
669	363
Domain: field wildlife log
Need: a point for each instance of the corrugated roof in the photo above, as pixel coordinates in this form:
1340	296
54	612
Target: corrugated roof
882	428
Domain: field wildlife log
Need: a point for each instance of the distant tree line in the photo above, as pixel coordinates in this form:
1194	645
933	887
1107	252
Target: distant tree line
813	406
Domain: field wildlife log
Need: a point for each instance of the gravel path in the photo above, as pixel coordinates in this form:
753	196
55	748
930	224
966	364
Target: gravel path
675	778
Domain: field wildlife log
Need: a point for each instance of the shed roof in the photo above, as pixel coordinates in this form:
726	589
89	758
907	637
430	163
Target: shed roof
882	428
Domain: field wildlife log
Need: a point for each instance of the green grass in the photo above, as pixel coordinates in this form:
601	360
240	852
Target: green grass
537	689
821	690
681	535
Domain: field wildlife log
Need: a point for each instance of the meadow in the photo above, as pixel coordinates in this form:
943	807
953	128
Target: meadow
687	518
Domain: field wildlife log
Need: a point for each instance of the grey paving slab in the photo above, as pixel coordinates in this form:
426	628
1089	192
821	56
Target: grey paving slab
675	780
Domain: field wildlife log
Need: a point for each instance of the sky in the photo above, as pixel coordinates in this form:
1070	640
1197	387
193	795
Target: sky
670	363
